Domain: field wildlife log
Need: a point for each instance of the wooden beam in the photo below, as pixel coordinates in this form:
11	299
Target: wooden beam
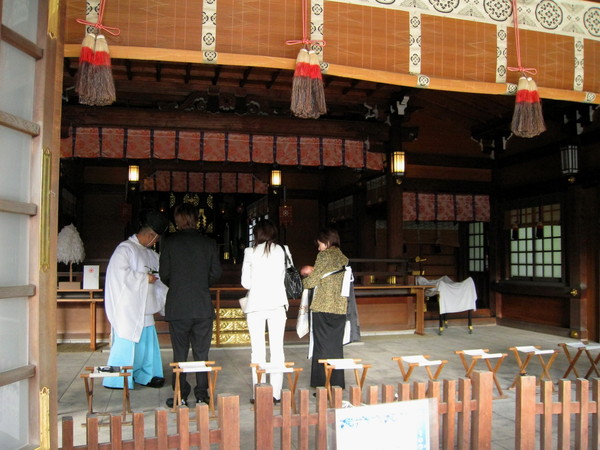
18	374
19	42
26	290
18	123
366	74
84	116
18	207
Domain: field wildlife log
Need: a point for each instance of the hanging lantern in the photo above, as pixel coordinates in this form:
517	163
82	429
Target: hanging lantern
569	161
397	166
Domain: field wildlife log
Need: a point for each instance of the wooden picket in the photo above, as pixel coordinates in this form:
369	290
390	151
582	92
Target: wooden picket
584	410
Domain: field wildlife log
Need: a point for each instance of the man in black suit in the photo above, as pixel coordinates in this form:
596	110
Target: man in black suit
189	265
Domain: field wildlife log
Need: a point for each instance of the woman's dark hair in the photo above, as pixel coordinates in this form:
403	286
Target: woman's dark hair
186	216
265	231
329	236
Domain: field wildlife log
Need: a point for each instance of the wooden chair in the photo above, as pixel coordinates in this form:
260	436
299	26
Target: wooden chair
288	368
581	347
482	354
415	361
344	364
104	372
531	351
194	367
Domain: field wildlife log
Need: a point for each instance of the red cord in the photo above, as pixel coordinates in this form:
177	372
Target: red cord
305	41
98	25
520	68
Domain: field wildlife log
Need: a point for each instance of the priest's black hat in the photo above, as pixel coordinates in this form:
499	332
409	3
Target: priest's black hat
157	221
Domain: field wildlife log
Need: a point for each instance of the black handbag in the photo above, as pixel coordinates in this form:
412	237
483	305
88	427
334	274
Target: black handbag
292	280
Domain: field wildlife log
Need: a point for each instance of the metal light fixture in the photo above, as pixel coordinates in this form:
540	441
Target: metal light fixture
569	161
397	166
276	178
134	174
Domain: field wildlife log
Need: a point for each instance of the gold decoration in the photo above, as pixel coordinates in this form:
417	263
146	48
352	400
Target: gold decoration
45	210
231	313
44	419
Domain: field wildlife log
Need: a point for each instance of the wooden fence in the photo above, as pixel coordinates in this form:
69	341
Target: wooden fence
466	413
586	428
227	433
464	418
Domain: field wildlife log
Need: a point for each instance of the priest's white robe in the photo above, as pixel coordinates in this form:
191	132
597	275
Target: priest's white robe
130	303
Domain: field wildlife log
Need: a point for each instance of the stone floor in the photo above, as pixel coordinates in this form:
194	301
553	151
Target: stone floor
376	349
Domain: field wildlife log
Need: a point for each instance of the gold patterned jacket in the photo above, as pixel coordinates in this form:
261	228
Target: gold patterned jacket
327	296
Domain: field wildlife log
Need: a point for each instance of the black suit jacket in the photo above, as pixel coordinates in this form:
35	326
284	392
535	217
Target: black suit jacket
189	265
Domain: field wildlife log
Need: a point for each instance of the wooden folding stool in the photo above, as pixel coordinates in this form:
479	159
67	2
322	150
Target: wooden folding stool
344	364
531	351
194	367
482	354
104	372
419	361
581	347
287	368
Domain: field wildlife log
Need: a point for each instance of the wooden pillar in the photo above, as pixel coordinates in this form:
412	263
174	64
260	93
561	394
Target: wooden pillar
580	226
395	224
395	228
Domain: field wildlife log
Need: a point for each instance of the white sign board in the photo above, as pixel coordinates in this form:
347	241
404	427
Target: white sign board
91	277
388	426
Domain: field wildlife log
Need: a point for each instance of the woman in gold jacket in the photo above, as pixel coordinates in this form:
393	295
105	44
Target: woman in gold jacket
328	307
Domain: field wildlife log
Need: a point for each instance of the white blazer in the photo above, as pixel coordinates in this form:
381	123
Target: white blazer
263	275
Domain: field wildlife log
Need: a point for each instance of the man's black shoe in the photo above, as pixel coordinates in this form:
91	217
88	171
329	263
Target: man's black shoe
204	399
170	402
156	382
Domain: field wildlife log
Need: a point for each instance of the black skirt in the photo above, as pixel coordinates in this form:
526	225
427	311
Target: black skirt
328	337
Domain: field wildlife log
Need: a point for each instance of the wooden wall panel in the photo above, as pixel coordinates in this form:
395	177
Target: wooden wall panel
458	49
540	310
366	37
73	322
590	68
259	27
386	313
551	55
174	24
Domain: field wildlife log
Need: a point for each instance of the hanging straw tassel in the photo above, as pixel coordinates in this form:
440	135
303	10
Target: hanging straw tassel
528	120
86	61
95	84
316	81
537	125
102	77
518	126
301	104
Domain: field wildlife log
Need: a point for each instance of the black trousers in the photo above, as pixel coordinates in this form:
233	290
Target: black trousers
198	334
328	337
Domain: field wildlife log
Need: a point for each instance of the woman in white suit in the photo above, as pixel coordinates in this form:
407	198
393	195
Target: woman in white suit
263	273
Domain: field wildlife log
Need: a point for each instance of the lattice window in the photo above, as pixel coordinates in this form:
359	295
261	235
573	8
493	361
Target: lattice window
536	243
477	247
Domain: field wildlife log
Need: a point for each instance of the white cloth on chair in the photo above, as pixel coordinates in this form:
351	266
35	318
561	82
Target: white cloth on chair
455	296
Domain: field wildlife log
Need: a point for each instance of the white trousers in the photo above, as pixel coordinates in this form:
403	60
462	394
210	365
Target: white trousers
274	321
